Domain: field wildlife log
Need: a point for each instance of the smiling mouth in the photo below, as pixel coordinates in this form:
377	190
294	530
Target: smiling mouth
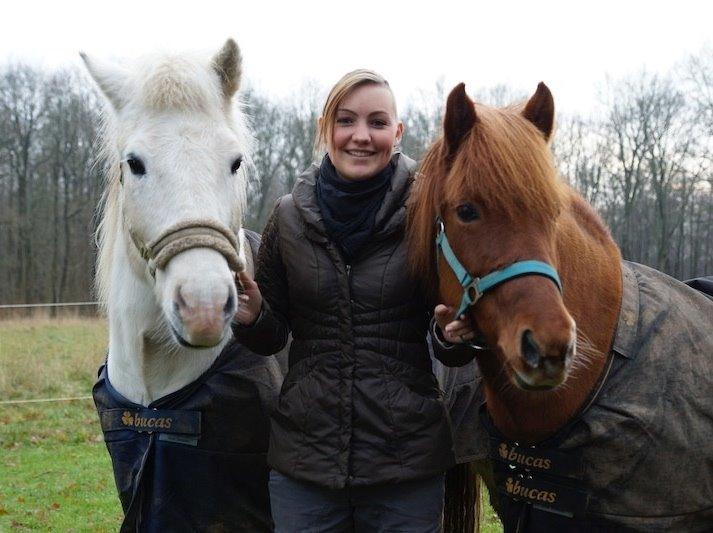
359	153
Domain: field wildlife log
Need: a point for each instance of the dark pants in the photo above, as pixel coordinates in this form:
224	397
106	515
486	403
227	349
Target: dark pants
412	506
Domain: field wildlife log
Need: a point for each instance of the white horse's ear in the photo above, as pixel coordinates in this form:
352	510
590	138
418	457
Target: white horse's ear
110	77
228	64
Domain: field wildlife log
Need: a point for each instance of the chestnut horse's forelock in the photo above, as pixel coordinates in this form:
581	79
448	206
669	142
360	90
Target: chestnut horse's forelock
504	163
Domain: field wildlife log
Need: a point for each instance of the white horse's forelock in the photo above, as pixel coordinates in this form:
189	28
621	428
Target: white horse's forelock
161	83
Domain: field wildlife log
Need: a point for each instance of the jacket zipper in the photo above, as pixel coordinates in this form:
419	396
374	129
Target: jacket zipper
350	476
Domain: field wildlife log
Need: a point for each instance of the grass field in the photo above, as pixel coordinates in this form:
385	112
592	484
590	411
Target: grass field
55	473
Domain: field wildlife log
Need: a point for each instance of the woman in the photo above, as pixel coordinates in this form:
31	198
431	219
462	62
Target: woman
360	439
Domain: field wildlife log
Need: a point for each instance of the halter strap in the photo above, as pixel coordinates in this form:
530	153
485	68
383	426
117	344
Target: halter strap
186	235
473	287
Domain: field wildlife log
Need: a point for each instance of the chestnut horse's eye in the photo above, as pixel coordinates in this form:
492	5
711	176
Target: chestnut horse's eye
467	212
136	165
236	165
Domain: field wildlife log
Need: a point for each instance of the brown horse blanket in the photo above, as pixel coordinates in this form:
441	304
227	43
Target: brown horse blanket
640	456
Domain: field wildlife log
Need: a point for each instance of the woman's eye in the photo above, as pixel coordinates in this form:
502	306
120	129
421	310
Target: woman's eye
344	120
136	165
467	212
236	165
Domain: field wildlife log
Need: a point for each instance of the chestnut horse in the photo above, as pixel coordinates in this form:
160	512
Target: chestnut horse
596	371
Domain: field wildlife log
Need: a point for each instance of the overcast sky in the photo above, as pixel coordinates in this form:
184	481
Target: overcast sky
571	45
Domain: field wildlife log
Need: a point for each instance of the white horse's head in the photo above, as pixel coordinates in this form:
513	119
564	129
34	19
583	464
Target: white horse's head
175	141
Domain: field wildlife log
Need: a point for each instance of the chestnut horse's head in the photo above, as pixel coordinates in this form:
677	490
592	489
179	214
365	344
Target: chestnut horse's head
491	181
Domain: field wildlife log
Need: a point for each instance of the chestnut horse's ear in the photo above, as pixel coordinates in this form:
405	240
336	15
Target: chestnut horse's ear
540	110
459	120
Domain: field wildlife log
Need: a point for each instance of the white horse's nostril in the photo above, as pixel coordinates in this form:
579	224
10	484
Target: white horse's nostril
229	308
179	302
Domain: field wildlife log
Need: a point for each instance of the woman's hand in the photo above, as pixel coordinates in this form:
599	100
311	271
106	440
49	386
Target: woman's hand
249	300
454	331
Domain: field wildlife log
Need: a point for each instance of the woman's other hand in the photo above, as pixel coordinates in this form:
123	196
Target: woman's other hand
455	331
249	300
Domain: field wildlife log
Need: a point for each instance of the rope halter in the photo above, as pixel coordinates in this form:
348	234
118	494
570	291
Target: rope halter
198	233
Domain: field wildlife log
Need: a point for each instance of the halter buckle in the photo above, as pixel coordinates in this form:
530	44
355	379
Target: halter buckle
472	291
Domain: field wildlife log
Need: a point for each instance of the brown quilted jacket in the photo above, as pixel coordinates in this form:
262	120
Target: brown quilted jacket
360	404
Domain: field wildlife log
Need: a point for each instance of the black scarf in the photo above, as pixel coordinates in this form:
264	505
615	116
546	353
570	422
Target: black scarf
349	207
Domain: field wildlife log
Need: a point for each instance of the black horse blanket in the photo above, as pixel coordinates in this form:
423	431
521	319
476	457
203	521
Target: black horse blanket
640	456
194	460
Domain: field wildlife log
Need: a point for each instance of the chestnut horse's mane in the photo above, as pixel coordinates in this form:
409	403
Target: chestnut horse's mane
488	167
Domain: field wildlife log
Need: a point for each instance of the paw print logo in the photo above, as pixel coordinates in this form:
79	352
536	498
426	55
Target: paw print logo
503	450
127	419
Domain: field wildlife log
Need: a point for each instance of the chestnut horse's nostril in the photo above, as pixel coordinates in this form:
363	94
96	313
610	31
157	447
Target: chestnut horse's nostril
229	307
530	352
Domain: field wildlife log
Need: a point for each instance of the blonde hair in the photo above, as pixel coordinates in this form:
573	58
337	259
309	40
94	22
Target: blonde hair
343	88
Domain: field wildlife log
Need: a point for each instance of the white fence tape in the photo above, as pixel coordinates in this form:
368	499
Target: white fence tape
71	399
57	304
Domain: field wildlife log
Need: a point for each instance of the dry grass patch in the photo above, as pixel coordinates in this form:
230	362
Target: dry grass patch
50	357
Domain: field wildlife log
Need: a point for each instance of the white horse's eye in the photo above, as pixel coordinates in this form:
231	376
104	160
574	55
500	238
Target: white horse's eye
236	165
136	165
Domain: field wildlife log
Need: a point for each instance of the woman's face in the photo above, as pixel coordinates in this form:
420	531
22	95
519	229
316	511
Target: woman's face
365	132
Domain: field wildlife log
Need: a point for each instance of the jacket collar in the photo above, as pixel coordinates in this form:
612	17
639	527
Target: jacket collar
390	216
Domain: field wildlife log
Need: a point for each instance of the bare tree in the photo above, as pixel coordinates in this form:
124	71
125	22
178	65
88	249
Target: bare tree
628	135
284	132
583	156
697	71
22	114
645	164
422	119
49	188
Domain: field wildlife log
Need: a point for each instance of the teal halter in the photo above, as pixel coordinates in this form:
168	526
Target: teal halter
474	288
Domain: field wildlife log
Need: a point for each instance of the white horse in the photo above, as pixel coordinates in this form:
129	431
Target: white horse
170	239
174	152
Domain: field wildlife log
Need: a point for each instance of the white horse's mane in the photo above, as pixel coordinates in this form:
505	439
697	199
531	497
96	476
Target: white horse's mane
161	83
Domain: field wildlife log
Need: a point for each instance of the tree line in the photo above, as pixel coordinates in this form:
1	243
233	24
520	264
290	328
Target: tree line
644	161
